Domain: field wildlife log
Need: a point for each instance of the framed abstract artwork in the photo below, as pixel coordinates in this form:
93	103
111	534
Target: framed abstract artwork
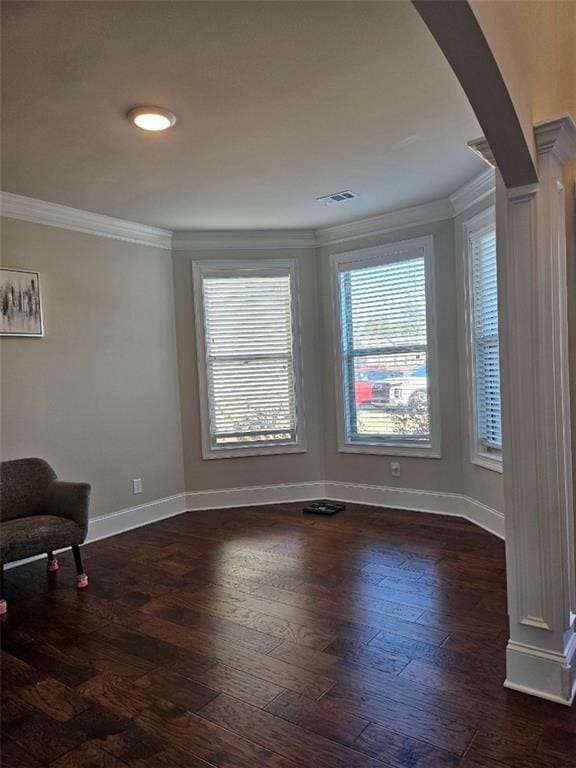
20	306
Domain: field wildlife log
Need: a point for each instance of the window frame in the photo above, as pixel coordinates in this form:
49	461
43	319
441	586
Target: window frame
374	256
473	227
245	268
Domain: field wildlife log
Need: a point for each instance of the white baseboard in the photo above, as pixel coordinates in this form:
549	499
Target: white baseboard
135	517
375	495
256	495
549	675
431	502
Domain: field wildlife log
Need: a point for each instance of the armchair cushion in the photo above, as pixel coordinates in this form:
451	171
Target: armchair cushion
29	536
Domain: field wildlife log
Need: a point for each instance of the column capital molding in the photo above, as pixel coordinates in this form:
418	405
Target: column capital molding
557	137
482	148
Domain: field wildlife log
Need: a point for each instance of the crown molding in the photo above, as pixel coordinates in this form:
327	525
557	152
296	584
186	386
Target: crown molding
438	210
557	136
482	148
54	215
474	191
242	240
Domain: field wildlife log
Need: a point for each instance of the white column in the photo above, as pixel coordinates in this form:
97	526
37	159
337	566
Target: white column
536	423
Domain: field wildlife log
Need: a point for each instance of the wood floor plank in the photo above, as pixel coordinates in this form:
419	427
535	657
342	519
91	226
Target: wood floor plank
337	666
180	690
360	623
170	607
87	755
249	688
399	751
238	609
314	716
15	756
44	738
437	729
289	740
514	754
558	742
55	699
202	739
273	670
171	758
264	638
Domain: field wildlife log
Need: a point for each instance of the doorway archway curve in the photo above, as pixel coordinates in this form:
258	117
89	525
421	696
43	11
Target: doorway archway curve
459	35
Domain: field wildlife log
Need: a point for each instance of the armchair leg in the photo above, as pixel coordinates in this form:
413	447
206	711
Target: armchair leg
3	606
81	578
52	563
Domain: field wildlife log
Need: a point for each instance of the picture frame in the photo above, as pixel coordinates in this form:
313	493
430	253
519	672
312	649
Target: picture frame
20	303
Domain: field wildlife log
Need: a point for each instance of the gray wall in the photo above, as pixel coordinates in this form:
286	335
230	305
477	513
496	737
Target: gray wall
442	474
252	470
97	397
484	485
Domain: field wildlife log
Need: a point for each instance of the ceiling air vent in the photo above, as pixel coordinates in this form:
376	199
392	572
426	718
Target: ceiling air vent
337	197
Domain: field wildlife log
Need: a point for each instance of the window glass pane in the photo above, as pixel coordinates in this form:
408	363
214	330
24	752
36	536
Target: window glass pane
249	360
384	350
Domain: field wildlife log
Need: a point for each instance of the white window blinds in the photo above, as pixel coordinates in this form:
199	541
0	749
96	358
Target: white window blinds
384	351
485	338
249	356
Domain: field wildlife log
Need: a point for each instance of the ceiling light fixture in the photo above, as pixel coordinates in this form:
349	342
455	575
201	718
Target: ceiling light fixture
151	118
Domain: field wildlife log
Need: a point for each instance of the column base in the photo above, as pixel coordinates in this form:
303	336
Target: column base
542	673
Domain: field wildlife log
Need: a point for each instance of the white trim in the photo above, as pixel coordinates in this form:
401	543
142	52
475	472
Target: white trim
538	487
65	217
376	255
242	240
252	496
539	672
478	456
55	215
557	136
473	192
103	526
431	502
438	210
256	268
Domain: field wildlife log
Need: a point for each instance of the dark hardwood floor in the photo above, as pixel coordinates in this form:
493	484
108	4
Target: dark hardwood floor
265	637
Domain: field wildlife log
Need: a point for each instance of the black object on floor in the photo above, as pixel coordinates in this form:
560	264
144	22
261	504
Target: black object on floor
324	507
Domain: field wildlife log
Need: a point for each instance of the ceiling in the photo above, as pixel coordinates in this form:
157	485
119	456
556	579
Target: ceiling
277	104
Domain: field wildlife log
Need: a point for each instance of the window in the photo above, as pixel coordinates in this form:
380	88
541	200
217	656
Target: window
386	361
483	357
249	357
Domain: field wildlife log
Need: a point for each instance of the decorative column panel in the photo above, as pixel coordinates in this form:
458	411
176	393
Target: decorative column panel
536	422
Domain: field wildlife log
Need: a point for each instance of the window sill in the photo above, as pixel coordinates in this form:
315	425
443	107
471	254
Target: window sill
416	451
240	453
487	461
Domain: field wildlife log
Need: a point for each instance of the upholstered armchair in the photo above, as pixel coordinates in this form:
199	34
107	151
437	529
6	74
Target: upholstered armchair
39	513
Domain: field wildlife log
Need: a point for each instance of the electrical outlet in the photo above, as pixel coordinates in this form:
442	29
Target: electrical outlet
137	485
395	468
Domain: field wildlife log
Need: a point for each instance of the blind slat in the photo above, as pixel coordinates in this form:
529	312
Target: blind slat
485	337
249	359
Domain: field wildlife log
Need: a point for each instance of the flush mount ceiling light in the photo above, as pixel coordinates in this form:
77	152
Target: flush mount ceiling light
152	118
